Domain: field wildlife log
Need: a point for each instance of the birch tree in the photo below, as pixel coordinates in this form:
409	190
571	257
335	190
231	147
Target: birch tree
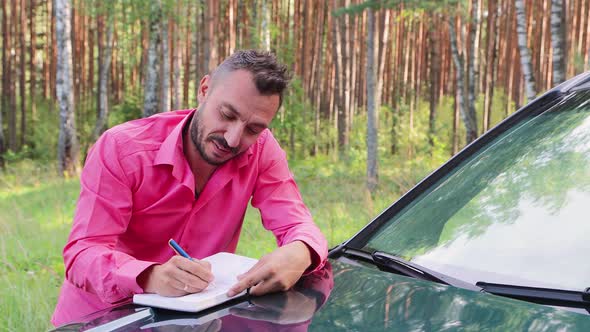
525	55
150	97
558	41
68	148
470	119
372	174
466	112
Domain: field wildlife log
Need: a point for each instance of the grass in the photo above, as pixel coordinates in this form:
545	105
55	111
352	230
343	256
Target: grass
36	208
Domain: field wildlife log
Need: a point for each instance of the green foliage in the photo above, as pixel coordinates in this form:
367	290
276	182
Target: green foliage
295	119
129	109
41	136
579	62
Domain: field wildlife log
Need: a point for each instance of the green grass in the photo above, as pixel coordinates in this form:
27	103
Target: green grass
35	213
36	208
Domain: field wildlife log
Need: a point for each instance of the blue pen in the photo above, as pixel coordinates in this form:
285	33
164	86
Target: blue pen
176	247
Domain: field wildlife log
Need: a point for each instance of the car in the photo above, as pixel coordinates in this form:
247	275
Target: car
494	240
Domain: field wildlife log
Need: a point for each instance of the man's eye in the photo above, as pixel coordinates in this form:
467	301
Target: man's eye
226	116
252	131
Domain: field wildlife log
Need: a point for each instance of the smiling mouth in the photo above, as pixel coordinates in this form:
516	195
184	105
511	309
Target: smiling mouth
220	148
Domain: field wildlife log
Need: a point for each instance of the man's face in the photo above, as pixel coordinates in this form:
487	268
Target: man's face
231	116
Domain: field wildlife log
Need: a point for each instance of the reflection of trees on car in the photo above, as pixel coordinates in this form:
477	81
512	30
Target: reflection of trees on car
422	306
554	162
540	161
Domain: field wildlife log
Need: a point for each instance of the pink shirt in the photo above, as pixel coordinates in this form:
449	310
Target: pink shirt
137	191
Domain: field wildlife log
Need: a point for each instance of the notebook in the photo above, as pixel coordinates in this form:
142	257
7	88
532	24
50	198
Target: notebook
225	267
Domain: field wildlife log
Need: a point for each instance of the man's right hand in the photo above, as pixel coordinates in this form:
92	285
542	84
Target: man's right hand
178	276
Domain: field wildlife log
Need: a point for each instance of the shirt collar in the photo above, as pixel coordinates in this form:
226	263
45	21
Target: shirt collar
171	150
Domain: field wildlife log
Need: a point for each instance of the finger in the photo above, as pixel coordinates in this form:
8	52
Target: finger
176	288
201	269
253	269
195	283
248	280
267	286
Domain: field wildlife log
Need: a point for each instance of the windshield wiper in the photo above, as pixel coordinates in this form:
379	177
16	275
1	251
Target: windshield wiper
399	265
391	263
548	296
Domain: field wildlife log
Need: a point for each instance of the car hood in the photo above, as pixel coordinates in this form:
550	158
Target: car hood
347	296
364	299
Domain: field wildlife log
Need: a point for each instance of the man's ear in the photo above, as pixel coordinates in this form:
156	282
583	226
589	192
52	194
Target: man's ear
203	88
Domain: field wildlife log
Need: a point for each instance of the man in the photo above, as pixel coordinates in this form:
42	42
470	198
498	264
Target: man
188	175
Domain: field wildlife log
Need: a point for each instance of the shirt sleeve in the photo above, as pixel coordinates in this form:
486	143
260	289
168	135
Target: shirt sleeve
281	207
102	213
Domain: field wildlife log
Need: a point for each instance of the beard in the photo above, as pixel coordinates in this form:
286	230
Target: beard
196	134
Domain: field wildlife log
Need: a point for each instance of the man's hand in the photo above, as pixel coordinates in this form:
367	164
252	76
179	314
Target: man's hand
277	271
178	276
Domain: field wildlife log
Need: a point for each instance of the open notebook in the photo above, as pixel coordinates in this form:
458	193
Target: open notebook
225	267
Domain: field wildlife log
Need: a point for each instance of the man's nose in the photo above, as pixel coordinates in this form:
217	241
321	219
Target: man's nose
233	136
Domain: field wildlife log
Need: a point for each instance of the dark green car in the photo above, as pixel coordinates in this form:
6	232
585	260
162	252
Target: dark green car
494	240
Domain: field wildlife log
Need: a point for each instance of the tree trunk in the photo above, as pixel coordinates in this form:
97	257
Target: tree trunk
468	118
177	62
187	60
152	79
492	50
12	73
525	57
558	41
339	101
472	131
382	60
264	26
372	175
434	72
68	148
456	116
32	70
103	83
207	42
165	74
5	78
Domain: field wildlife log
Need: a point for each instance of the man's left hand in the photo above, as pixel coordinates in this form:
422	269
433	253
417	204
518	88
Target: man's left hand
277	271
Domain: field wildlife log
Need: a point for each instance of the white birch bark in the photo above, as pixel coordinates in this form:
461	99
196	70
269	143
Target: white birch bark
150	97
68	148
472	81
558	41
525	55
468	119
265	29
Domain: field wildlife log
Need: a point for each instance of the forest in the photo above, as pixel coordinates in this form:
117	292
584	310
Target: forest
382	92
415	77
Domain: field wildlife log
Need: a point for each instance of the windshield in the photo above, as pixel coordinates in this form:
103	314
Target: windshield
518	211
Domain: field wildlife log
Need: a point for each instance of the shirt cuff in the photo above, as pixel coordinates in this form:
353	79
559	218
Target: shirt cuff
127	276
317	252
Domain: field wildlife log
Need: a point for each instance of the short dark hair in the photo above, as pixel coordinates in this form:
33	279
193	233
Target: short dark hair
270	76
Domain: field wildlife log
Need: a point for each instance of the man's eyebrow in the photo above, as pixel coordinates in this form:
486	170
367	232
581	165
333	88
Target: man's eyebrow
233	110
